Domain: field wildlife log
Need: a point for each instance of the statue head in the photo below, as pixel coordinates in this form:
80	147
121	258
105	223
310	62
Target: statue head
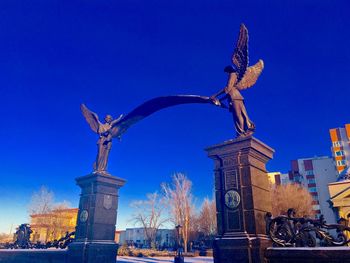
108	119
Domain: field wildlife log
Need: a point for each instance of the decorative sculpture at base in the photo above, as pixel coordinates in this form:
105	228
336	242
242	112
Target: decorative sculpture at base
291	231
240	77
22	237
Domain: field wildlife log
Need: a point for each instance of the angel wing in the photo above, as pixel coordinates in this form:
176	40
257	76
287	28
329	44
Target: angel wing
152	106
251	76
90	117
240	53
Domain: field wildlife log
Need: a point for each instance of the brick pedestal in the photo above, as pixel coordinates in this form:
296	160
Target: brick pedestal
95	230
241	179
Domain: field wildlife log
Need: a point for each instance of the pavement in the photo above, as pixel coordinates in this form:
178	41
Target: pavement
122	259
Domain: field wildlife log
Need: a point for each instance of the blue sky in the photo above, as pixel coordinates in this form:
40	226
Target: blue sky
114	55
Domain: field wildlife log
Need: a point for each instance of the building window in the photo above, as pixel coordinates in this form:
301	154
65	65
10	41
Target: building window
341	163
311	181
337	144
339	153
312	190
316	207
315	197
310	172
298	178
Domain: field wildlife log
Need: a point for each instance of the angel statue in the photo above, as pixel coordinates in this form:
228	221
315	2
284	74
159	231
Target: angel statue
240	77
115	128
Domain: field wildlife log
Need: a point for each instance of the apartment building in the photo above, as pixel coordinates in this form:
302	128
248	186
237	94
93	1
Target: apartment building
315	174
340	138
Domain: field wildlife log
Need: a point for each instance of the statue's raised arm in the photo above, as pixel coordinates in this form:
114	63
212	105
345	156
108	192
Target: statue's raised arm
154	105
115	128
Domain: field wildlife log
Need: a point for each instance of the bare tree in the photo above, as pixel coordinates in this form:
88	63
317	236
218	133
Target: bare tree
180	198
150	215
61	206
294	196
207	218
42	201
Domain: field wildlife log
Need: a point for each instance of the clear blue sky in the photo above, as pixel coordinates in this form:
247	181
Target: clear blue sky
114	55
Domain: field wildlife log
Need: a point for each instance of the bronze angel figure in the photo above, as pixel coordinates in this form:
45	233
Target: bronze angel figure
115	128
240	77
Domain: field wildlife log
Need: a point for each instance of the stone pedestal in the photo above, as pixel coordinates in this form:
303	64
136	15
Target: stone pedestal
95	230
242	199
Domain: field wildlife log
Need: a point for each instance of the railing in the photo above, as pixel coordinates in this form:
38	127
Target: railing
290	231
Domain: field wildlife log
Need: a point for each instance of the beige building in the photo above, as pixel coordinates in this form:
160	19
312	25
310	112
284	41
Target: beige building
54	225
340	198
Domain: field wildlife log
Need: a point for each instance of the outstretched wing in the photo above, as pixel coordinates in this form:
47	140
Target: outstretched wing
240	53
251	75
153	106
90	117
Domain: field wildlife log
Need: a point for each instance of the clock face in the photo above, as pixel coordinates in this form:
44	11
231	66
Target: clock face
232	199
84	216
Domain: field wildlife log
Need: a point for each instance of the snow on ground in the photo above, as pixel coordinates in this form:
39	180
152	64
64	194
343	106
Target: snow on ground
121	259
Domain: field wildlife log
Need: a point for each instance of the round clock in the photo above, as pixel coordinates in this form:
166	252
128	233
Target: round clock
232	199
84	216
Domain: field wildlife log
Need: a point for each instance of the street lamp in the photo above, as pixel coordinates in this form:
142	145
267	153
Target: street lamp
178	257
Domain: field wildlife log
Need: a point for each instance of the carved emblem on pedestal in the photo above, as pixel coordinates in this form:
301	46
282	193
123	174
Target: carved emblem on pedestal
231	180
107	201
232	199
84	216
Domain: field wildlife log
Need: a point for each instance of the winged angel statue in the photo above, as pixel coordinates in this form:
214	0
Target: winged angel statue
240	77
116	128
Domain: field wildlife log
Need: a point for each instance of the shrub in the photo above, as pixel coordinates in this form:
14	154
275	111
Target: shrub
291	196
124	250
134	252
